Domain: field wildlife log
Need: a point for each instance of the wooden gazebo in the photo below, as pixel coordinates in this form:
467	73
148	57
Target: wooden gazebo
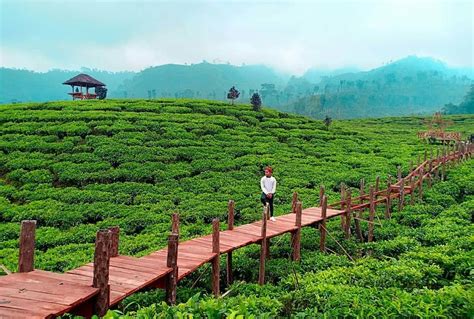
436	131
81	81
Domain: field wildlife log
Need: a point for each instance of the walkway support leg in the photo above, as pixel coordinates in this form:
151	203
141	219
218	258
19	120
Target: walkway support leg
371	215
216	269
101	271
321	194
322	225
263	246
294	200
172	262
420	189
114	241
296	235
230	226
343	198
26	258
347	230
388	202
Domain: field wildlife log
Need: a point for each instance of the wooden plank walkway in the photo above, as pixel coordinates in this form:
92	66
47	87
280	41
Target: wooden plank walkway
43	294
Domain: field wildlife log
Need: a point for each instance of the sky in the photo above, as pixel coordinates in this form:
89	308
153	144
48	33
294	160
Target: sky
290	36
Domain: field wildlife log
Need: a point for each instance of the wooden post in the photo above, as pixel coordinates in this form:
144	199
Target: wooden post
172	262
401	200
401	181
348	215
101	271
26	259
437	164
412	189
296	235
411	167
388	203
114	241
371	215
443	166
377	186
322	228
430	162
420	189
459	151
175	223
418	162
358	230
216	269
426	156
294	200
321	194
343	198
230	226
263	246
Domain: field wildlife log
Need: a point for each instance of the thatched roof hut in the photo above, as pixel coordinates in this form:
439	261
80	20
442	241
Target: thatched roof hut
84	80
87	81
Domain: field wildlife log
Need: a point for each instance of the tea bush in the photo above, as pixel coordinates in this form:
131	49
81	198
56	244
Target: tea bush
80	166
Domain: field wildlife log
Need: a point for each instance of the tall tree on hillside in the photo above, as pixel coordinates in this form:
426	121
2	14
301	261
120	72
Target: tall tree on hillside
465	107
327	121
256	102
233	94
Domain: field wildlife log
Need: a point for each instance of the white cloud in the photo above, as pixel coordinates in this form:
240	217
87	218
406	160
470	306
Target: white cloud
290	36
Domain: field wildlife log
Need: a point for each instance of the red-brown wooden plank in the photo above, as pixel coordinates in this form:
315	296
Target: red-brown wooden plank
14	313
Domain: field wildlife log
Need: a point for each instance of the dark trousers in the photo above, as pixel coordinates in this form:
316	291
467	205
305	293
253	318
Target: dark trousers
266	200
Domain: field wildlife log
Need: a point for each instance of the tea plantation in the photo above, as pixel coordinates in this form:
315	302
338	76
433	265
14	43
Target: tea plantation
79	166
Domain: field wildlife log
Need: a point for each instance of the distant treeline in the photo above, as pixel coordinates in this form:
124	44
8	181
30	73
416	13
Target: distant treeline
465	107
409	86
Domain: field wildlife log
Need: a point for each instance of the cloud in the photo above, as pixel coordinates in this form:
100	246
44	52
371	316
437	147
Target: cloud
290	36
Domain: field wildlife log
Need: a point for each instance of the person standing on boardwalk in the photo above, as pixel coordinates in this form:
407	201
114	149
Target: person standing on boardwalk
268	185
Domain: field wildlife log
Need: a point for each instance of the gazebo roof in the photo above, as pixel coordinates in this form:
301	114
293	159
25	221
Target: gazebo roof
84	80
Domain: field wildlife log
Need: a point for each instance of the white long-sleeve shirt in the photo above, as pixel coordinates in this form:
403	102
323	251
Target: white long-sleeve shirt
268	184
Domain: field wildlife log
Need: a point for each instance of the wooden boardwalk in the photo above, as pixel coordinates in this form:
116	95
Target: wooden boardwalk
41	294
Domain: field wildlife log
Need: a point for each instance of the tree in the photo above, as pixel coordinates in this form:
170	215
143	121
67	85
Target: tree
465	107
233	94
327	121
256	102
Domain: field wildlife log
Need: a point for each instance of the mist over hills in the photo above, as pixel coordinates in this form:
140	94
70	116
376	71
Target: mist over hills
412	85
203	80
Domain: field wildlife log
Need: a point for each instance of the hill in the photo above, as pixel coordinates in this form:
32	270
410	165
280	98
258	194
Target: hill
203	80
411	85
27	86
80	166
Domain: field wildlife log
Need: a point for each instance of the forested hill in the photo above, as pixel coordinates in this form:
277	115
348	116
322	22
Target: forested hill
29	86
203	80
409	86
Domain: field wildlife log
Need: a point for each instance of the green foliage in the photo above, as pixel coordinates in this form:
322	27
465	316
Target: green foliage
79	167
256	102
465	107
